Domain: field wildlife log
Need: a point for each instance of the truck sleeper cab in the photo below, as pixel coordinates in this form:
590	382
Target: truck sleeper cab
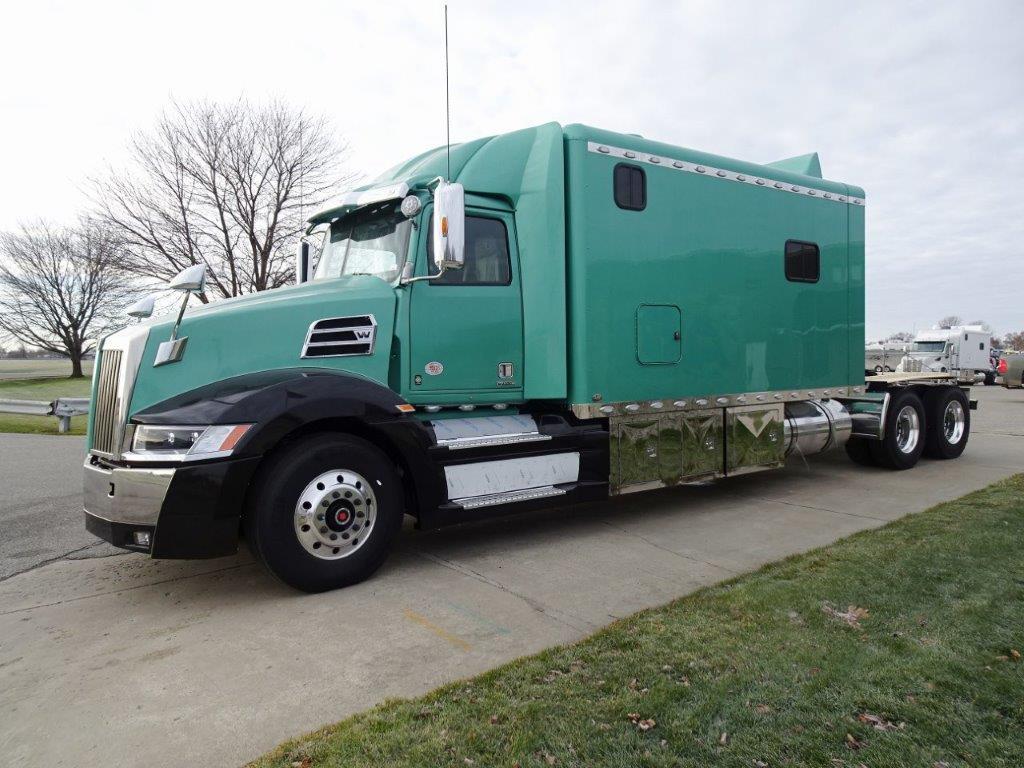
574	314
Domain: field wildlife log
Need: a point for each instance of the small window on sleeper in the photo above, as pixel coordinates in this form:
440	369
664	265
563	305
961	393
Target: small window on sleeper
630	187
803	262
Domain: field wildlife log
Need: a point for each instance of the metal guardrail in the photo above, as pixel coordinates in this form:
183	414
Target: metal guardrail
63	408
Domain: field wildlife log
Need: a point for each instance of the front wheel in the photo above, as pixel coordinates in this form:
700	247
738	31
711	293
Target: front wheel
324	512
948	415
990	378
904	432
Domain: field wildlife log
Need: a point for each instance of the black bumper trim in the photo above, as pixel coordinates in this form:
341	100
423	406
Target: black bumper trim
118	534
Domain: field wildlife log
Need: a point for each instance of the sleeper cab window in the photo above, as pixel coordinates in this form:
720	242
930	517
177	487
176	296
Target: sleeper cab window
630	187
803	262
486	250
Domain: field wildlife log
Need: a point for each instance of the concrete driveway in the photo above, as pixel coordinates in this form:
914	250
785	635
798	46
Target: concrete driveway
124	660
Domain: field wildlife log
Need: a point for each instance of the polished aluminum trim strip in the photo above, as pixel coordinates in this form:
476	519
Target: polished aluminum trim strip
598	410
492	440
370	329
509	498
721	173
486	478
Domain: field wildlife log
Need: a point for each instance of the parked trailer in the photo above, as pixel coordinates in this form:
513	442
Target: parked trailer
883	358
572	314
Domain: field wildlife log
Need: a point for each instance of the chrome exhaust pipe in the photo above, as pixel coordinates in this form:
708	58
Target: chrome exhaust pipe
816	426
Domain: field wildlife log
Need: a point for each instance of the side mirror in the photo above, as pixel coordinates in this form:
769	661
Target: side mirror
142	308
449	225
301	262
190	280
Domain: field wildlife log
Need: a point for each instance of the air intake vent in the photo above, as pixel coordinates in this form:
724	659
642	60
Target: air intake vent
104	425
338	336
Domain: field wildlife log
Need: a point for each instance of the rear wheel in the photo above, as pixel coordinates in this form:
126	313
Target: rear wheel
325	512
904	432
948	415
990	378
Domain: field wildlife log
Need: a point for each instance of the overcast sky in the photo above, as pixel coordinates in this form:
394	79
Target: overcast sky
920	103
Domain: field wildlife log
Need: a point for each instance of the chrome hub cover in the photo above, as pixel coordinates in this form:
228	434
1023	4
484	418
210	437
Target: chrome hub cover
908	429
954	422
335	513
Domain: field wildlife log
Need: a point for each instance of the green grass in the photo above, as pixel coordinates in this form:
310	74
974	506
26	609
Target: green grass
34	369
756	671
39	425
41	389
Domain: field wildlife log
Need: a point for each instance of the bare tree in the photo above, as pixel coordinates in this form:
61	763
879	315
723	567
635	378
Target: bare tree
900	336
60	288
1014	341
225	185
951	321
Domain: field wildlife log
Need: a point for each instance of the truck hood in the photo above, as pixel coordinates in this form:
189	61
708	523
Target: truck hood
264	331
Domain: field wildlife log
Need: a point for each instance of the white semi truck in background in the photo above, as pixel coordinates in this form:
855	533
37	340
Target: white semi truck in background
962	350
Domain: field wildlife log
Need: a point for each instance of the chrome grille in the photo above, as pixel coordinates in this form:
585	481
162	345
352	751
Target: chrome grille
105	411
337	336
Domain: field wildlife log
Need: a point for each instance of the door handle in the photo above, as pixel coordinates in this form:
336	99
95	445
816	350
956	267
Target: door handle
676	336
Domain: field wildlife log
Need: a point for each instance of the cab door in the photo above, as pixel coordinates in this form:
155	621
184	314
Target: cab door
466	327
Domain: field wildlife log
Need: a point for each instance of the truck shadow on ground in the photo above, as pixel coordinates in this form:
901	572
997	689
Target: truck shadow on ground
494	542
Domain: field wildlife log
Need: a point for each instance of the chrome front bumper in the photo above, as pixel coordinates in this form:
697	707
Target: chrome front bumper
129	496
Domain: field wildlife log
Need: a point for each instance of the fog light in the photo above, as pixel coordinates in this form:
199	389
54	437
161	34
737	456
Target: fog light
141	538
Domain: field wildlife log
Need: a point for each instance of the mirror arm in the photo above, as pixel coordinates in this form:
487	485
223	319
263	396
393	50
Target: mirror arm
421	278
181	313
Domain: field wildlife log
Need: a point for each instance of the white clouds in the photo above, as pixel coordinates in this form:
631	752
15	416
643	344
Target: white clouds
921	104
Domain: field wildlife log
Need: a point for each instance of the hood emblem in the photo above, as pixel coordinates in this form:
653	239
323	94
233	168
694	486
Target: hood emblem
341	337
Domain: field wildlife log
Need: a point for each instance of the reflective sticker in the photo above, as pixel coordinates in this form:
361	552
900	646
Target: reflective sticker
433	368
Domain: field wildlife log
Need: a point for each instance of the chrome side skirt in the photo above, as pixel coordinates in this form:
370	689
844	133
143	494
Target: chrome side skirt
599	409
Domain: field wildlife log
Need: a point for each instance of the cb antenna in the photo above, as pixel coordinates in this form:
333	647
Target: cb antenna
447	105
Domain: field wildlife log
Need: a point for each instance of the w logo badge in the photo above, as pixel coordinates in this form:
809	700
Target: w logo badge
341	336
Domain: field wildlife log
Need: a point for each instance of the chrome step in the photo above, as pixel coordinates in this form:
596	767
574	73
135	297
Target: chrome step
486	431
509	497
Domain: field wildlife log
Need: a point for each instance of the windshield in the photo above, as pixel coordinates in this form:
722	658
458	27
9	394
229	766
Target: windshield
373	241
929	346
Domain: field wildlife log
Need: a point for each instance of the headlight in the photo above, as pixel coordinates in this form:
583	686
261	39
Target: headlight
159	443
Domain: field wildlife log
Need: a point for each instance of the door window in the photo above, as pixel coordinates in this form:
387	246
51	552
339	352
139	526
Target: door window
487	260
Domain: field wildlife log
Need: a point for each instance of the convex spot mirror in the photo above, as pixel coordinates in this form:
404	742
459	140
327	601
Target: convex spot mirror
449	225
190	280
142	308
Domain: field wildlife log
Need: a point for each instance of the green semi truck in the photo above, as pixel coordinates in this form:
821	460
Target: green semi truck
540	318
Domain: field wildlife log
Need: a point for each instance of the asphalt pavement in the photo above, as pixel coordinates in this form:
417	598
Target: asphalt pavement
123	660
41	503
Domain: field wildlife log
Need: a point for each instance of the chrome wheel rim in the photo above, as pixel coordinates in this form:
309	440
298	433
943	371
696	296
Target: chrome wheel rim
335	514
954	422
908	429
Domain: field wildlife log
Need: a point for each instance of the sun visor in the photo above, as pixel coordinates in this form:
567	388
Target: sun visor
351	201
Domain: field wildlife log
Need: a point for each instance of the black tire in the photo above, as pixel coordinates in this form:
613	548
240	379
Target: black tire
990	378
940	411
859	451
903	443
272	524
